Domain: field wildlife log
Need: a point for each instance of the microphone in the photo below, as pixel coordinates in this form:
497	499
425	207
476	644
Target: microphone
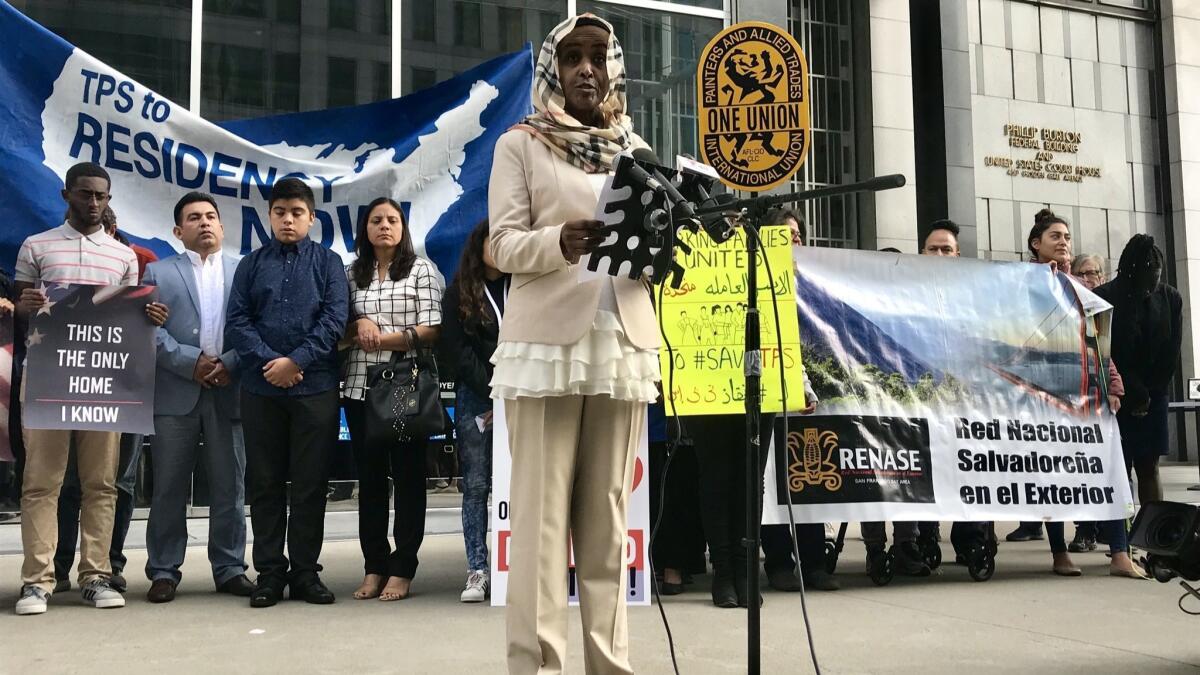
640	175
659	183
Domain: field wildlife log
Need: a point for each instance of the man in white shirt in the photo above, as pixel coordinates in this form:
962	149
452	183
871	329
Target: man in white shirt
196	391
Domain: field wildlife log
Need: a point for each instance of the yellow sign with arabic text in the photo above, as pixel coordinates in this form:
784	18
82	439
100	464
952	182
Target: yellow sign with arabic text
752	98
705	318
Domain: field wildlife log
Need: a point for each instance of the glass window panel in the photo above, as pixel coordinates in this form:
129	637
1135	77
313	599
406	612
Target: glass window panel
343	74
661	53
466	25
148	40
422	78
234	74
382	81
824	31
341	14
707	4
548	21
249	8
451	36
313	65
512	27
287	11
286	93
423	19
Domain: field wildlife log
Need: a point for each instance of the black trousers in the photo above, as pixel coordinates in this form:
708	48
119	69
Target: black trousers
679	542
405	464
720	449
288	440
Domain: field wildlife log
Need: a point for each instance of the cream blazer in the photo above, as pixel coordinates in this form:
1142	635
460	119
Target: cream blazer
531	194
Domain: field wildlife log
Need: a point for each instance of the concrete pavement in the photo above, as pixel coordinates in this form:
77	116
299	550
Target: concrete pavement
1023	620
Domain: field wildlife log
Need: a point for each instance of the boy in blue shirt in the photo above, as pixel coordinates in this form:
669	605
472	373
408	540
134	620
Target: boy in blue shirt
287	310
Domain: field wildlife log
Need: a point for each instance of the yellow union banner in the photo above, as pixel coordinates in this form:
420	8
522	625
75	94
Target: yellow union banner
705	319
752	96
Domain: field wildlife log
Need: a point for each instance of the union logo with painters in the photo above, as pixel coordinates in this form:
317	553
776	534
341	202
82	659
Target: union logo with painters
752	86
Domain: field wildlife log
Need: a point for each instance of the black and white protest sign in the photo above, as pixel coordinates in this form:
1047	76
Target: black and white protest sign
90	360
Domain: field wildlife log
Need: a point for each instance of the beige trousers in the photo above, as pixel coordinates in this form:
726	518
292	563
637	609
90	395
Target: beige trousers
46	454
572	468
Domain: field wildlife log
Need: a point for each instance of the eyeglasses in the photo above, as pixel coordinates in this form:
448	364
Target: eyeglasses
1092	274
90	195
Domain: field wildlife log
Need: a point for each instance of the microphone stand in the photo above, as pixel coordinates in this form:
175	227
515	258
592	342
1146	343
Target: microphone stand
751	211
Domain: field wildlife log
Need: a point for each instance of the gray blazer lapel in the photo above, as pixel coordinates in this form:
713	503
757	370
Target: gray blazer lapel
184	265
230	269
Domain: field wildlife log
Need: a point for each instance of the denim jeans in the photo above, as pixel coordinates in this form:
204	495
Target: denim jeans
475	461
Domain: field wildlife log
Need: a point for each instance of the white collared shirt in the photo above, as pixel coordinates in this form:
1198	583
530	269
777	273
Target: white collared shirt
210	288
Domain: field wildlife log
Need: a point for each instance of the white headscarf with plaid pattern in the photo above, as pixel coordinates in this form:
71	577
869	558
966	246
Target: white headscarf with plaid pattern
589	148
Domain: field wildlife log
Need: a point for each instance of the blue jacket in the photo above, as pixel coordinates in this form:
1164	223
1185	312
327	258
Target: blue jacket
178	341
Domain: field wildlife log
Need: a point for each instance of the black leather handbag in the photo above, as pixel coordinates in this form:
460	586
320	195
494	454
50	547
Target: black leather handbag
402	403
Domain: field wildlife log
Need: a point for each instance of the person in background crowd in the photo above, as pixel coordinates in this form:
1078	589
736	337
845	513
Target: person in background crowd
678	547
779	563
941	239
576	363
1147	330
8	474
196	395
1049	243
471	313
76	252
1089	271
395	306
127	470
286	312
144	255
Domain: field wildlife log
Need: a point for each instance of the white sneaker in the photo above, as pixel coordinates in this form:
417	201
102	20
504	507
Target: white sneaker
33	601
477	587
100	594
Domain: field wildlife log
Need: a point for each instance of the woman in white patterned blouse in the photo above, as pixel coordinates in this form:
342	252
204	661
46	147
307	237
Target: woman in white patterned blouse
391	290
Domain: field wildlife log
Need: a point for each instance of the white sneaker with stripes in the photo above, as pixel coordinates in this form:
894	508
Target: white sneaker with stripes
100	594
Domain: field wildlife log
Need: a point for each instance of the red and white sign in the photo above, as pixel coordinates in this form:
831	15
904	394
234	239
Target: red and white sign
636	540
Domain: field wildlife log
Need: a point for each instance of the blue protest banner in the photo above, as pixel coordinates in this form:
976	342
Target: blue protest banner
430	151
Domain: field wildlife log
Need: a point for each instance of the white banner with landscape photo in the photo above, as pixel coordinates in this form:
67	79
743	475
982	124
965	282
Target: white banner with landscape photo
950	389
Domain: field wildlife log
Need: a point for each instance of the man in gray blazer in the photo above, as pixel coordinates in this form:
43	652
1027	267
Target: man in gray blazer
195	393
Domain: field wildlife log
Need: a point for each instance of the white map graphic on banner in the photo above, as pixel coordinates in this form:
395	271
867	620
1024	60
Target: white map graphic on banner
637	540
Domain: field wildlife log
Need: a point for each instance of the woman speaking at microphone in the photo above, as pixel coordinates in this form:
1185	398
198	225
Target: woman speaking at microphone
576	363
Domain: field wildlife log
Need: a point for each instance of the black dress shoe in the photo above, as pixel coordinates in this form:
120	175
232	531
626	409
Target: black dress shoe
1026	532
821	580
118	582
783	580
266	594
668	588
162	590
313	592
741	587
239	586
723	593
